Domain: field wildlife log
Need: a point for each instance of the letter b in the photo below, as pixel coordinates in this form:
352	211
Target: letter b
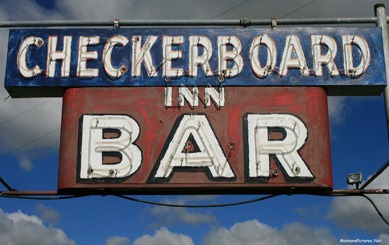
94	145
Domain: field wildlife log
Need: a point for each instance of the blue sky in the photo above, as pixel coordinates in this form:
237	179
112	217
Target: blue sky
359	143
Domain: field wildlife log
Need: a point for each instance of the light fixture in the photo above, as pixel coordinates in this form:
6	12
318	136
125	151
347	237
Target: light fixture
354	178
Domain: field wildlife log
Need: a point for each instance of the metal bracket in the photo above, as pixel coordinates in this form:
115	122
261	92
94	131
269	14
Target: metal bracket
245	22
273	22
116	24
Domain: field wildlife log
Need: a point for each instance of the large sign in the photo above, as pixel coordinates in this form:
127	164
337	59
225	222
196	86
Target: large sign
47	61
195	140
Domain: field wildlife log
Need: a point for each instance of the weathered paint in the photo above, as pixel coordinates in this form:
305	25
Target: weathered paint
44	62
260	140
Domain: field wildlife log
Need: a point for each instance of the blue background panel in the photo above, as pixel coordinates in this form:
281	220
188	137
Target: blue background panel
371	82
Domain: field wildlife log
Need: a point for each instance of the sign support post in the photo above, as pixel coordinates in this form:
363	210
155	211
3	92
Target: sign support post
382	22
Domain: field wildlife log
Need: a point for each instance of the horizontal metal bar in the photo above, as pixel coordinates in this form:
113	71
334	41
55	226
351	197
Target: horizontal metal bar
358	192
236	22
355	192
28	193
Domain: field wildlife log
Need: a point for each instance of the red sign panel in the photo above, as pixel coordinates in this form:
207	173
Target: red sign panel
195	140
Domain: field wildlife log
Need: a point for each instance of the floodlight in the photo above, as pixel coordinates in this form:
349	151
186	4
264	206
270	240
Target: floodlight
354	178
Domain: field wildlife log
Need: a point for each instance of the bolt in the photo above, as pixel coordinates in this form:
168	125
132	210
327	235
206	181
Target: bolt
275	172
231	145
123	70
296	169
90	171
40	42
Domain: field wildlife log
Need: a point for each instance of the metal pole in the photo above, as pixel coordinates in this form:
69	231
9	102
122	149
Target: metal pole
382	169
379	10
237	22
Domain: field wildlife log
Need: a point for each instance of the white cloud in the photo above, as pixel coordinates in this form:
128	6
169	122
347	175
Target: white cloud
24	121
20	122
25	163
96	9
164	236
26	10
166	216
117	240
22	229
141	10
336	107
47	214
384	237
358	213
254	232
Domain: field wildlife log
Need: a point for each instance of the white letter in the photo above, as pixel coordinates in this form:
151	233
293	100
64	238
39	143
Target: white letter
196	60
348	42
142	54
84	56
217	97
169	55
192	98
209	154
93	144
54	55
271	55
227	55
293	57
327	59
168	96
286	150
22	55
107	52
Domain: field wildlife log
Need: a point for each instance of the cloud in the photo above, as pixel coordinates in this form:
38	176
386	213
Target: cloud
19	228
358	213
47	214
24	122
254	232
27	10
25	163
164	236
336	107
117	240
167	216
96	9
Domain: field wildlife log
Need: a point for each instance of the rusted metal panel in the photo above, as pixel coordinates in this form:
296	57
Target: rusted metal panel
44	62
245	140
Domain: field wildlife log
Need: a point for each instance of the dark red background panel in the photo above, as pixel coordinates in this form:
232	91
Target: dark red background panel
146	106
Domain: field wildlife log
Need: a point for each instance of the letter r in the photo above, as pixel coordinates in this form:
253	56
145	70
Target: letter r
260	147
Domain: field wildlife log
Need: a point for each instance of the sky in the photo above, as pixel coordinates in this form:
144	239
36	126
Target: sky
29	154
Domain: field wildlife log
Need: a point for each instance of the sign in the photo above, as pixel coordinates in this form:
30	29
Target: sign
195	140
44	62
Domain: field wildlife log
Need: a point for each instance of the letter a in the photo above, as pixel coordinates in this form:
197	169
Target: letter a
195	128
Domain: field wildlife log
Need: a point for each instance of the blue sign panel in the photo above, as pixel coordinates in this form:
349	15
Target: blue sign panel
44	62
